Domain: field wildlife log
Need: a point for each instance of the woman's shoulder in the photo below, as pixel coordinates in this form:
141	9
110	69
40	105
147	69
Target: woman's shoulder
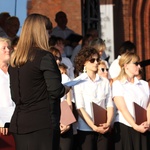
144	83
116	83
40	53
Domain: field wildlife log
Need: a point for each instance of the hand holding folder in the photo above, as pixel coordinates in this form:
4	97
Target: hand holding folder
140	114
99	114
67	116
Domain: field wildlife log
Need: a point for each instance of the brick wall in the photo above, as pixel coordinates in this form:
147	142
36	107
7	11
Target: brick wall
131	20
50	7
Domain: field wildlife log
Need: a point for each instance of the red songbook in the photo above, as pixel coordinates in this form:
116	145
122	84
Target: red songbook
67	117
140	114
99	114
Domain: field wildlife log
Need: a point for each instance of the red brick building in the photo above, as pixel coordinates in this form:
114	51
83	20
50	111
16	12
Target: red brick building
131	20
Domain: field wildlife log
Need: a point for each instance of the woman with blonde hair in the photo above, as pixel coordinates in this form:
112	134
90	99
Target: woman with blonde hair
127	90
36	88
6	104
102	69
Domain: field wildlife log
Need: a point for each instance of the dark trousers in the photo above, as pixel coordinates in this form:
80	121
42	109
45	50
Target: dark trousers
89	140
66	140
126	138
38	140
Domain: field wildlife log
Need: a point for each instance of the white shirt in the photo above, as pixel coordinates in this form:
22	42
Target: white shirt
70	69
131	92
65	79
114	68
98	91
6	104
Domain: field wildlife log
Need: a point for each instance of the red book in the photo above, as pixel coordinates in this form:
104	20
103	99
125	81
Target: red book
140	114
99	114
67	117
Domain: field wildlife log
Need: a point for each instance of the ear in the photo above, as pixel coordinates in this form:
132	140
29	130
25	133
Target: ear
125	66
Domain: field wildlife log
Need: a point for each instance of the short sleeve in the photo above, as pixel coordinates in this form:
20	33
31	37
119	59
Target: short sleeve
117	89
79	101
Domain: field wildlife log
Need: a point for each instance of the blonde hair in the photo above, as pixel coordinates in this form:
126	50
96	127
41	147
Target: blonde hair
98	44
126	58
101	62
33	34
3	39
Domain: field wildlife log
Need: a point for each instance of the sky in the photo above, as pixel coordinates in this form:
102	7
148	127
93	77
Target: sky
15	8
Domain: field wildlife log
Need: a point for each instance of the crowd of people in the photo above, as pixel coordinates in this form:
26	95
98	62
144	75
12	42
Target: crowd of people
34	70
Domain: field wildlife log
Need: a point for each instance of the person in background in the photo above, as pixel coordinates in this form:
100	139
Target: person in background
100	46
3	18
93	89
66	137
61	30
6	103
102	69
59	44
63	68
114	68
36	88
127	89
85	42
56	53
66	132
95	34
12	26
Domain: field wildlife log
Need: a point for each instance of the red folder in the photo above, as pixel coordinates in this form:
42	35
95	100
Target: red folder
67	117
7	142
140	114
99	114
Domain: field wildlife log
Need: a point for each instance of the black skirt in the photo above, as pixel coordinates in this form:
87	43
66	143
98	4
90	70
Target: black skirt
38	140
126	138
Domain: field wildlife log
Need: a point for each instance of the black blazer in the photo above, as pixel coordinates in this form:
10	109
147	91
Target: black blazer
36	90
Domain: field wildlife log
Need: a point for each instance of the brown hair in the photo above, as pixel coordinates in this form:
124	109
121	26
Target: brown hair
84	54
33	34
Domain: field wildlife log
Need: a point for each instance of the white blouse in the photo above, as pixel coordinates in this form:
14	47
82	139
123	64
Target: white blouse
6	104
98	91
137	92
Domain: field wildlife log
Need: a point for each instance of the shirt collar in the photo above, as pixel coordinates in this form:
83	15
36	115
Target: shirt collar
136	81
87	77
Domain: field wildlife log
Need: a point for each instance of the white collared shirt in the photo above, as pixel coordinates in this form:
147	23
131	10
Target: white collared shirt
97	91
70	69
7	106
131	92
